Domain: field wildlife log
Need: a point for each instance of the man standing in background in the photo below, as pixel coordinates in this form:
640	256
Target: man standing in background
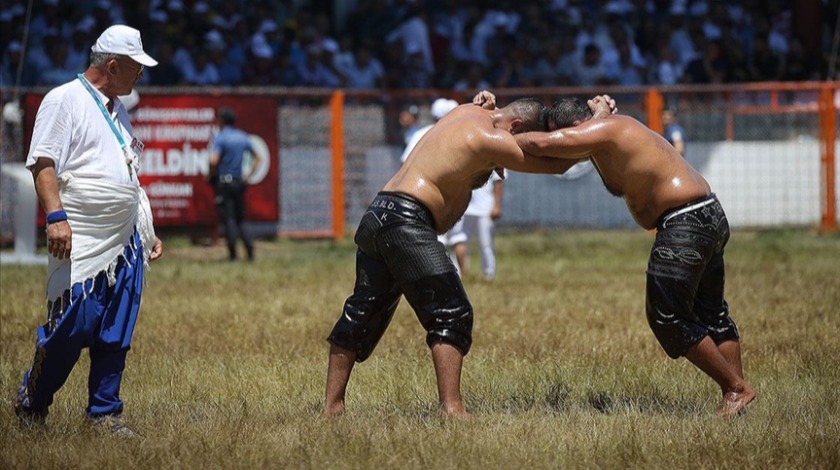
440	107
478	223
674	133
84	161
408	122
229	149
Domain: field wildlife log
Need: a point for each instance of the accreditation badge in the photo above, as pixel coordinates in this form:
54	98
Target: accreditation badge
137	146
132	154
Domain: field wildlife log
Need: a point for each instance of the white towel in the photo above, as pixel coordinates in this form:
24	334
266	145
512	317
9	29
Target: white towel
103	217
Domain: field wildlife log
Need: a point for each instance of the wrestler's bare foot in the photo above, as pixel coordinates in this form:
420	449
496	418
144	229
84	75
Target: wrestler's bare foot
333	409
735	402
454	411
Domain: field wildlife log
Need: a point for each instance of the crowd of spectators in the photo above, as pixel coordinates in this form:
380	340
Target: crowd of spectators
447	44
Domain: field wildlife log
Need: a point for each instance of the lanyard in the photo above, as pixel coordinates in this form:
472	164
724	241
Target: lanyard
105	113
129	161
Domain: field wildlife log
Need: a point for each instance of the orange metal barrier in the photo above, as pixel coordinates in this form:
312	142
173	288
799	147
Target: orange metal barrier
828	131
337	148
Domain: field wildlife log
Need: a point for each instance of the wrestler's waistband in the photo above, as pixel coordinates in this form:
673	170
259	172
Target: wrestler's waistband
402	204
687	207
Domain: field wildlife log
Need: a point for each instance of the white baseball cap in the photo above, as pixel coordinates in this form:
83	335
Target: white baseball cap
442	106
123	40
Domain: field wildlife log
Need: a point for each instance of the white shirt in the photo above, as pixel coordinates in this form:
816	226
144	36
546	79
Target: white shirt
71	131
414	32
412	142
484	198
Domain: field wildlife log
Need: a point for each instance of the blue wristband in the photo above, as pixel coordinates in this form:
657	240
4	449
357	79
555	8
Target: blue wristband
56	216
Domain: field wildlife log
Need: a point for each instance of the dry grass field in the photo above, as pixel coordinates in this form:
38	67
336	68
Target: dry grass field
228	364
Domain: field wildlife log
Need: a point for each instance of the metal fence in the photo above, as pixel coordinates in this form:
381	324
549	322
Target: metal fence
767	149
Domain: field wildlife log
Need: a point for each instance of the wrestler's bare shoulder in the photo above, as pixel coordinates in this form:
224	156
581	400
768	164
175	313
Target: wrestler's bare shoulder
615	125
467	110
466	125
623	134
621	119
628	125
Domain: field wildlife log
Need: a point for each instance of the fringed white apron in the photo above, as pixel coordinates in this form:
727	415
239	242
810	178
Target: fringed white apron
103	217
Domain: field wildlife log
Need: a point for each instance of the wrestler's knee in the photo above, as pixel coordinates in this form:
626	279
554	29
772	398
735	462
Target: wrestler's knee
726	331
459	334
672	343
362	325
669	315
675	335
715	317
442	306
450	320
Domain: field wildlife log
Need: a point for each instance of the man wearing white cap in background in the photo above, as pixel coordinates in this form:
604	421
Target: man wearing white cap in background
84	161
485	207
440	107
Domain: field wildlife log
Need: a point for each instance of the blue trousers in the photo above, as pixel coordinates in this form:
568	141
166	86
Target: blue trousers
101	318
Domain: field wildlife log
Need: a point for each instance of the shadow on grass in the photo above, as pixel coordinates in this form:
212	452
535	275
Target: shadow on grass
560	398
654	403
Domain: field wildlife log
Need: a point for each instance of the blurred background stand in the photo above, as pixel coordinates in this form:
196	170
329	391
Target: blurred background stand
25	216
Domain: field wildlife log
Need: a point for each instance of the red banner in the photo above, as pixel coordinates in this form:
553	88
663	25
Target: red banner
178	132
